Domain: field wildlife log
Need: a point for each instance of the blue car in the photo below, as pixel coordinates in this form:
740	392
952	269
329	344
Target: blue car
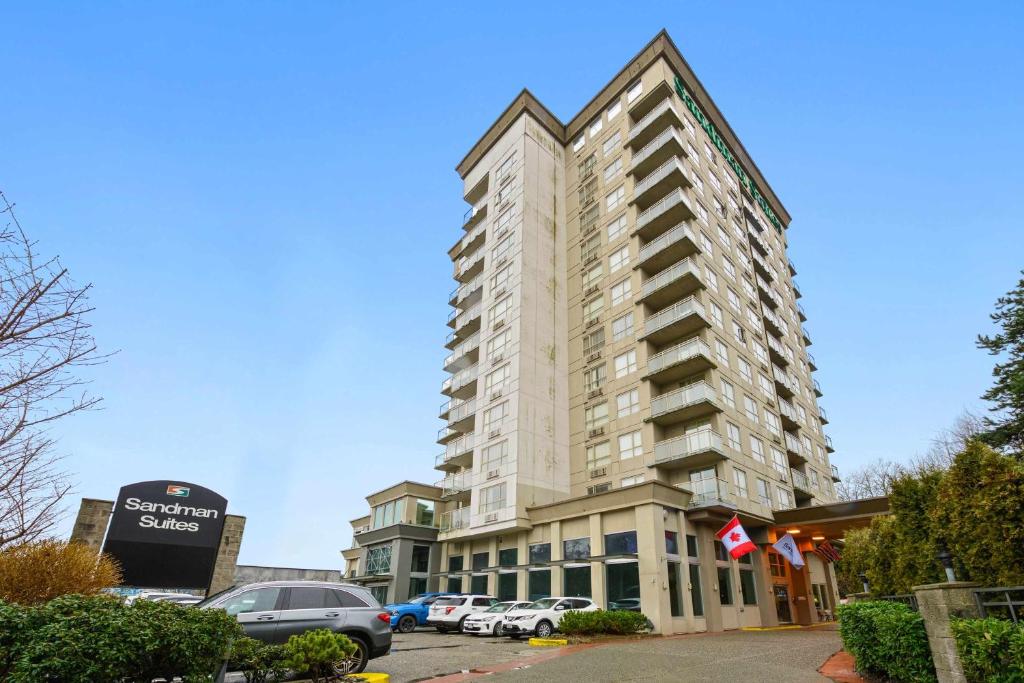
406	616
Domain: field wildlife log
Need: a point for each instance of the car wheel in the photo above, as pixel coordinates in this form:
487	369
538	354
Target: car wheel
544	629
357	662
499	630
459	627
407	624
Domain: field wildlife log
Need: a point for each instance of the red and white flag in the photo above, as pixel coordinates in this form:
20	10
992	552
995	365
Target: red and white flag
828	552
735	539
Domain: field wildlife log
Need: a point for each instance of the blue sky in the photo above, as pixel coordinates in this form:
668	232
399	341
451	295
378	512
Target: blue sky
263	195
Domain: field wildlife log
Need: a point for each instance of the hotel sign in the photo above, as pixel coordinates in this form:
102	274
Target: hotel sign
744	179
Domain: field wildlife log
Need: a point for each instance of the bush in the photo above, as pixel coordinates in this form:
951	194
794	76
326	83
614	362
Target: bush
990	649
318	652
257	660
37	572
82	639
887	639
617	622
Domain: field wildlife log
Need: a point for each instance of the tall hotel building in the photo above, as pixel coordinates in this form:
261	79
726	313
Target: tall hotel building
628	365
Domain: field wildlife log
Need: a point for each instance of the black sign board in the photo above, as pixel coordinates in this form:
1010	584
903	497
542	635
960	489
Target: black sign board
165	534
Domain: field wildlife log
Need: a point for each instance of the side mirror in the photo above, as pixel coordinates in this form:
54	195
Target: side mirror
559	608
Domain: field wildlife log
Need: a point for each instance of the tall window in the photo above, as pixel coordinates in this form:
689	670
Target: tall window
750	408
628	402
592	309
593	342
630	445
598	455
593	378
596	416
593	276
611	143
492	498
621	292
739	478
493	455
496	344
745	370
623	583
614	198
538	584
493	416
424	512
732	433
500	309
617	228
619	258
576	581
625	363
763	493
757	449
622	327
716	315
496	379
613	169
728	395
722	352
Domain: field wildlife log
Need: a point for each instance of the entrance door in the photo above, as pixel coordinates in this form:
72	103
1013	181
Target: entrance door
782	608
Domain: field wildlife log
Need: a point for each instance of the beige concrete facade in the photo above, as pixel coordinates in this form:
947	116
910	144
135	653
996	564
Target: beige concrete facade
628	362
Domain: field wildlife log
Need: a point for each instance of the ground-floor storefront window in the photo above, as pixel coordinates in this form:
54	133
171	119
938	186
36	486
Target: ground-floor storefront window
539	584
747	587
576	581
623	584
725	585
674	589
417	586
380	593
454	584
478	584
506	586
695	592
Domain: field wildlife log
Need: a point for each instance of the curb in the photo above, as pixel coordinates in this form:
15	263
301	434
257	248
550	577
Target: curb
548	642
373	678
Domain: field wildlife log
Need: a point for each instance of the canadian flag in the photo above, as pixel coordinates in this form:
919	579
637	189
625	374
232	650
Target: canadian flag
735	539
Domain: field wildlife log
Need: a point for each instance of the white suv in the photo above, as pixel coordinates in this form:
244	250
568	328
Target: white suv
543	616
490	623
449	612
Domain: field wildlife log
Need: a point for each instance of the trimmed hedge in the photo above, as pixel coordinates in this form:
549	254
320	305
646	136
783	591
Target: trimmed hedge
616	622
991	650
887	639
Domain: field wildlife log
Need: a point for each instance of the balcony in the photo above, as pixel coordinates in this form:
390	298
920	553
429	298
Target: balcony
478	191
464	354
473	216
784	382
469	243
663	214
806	336
762	267
468	267
823	415
467	322
665	145
457	454
455	484
462	384
794	449
775	350
835	474
460	415
801	488
454	520
774	324
680	361
681	319
792	268
671	284
768	295
759	244
470	293
789	415
672	173
644	130
828	444
817	388
796	291
712	493
697	449
800	312
688	403
813	364
673	245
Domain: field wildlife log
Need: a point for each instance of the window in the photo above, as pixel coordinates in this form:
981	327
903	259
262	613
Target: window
734	299
420	559
635	479
721	554
716	315
630	445
698	182
727	394
747	586
691	152
480	561
596	127
417	586
618	259
478	584
695	590
750	407
578	143
634	91
506	586
598	455
493	455
611	143
776	564
623	584
593	378
745	370
625	364
590	248
613	169
623	543
720	210
576	581
593	276
723	236
455	563
587	192
539	584
722	352
767	387
621	291
496	344
622	327
540	552
739	478
506	165
779	462
785	498
711	278
592	309
496	379
588	221
729	268
576	548
586	168
501	278
760	352
596	416
260	600
708	153
614	110
500	309
733	436
805	444
615	197
424	513
504	221
378	559
814	478
492	498
702	212
772	420
617	228
493	416
757	449
763	493
628	402
739	334
713	179
707	244
593	342
675	595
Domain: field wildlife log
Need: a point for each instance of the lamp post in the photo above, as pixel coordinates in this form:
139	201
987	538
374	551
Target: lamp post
946	559
864	580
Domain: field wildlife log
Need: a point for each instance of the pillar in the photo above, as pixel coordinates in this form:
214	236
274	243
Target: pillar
401	563
709	577
765	591
227	554
597	590
653	569
937	603
556	554
522	577
91	522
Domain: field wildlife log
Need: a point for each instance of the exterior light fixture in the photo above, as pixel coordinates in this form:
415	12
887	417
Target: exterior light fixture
792	531
945	558
817	538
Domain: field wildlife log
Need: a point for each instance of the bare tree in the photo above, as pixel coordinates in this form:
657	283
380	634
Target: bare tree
872	480
948	442
44	340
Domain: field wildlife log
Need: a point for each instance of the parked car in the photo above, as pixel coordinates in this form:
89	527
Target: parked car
273	611
490	622
184	600
406	616
628	604
541	618
449	613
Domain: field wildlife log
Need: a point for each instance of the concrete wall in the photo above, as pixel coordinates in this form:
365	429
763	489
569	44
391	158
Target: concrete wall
227	553
253	573
91	522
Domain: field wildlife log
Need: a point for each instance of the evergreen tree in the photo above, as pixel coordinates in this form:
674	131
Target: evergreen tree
1007	393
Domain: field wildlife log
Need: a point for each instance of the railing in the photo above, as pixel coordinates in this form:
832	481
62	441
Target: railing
908	599
788	409
681	398
463	444
461	411
817	387
822	414
690	348
783	378
468	262
775	320
665	106
669	275
654	144
799	479
718	493
828	442
673	313
463	347
658	174
767	290
676	196
678	233
454	483
700	441
463	318
793	444
810	359
454	519
1001	603
806	335
470	236
465	290
835	472
460	379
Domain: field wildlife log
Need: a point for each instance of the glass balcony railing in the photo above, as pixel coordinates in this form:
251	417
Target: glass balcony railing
662	206
675	312
682	447
657	143
461	411
455	483
453	520
673	236
659	174
667	106
793	444
799	480
459	380
691	348
711	492
687	266
698	392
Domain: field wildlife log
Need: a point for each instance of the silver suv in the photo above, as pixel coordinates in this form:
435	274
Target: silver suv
273	611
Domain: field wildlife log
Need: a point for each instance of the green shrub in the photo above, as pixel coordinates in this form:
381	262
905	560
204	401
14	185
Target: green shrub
617	622
887	639
78	639
318	652
991	650
257	660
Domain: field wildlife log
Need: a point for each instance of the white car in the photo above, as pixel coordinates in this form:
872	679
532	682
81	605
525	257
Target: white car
490	623
448	613
542	617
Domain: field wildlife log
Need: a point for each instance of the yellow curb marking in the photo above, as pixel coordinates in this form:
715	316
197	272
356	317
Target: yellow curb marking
373	678
548	642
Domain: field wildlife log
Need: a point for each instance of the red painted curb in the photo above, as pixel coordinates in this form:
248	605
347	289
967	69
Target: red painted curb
841	669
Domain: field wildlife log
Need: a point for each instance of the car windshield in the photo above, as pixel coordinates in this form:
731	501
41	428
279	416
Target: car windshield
207	601
502	607
546	603
419	600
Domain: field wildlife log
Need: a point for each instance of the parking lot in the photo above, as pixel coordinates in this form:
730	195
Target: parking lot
425	653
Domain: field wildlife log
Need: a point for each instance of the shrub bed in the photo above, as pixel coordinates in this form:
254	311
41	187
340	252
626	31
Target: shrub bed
991	650
887	639
601	622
